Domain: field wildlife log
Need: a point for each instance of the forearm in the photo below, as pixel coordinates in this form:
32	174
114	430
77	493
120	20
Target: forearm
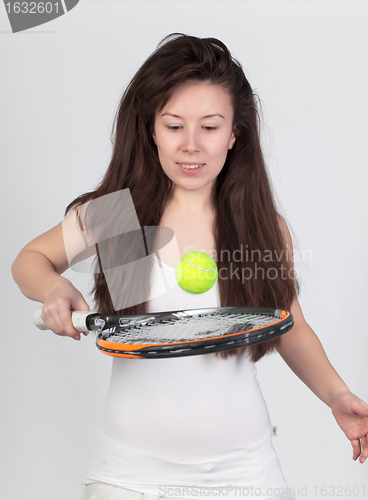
303	352
35	274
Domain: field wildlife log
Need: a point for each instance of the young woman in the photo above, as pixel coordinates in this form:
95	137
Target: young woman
187	147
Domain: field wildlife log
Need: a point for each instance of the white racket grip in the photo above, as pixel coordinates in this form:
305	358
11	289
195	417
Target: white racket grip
38	321
78	319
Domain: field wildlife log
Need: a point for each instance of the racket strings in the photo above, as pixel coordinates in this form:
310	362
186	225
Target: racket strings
187	329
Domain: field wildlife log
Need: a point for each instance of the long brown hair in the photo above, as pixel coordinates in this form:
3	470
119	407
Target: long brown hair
254	268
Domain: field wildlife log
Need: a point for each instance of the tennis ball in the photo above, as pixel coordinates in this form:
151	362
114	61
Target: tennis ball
196	272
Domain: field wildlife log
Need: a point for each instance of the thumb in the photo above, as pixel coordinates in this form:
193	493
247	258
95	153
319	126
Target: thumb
79	304
360	407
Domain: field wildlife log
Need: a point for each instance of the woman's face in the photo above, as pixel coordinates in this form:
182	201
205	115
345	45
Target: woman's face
193	133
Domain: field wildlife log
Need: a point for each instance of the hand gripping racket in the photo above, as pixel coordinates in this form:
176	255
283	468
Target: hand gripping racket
181	333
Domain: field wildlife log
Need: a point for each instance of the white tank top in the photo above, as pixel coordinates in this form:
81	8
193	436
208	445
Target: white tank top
191	421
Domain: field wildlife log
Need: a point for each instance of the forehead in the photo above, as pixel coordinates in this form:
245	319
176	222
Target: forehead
199	97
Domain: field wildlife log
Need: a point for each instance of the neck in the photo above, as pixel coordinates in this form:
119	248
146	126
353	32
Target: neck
193	202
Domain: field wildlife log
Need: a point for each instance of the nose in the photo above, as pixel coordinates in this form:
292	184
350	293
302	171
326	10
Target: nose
191	141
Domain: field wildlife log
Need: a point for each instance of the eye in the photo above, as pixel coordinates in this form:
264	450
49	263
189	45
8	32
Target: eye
174	127
209	128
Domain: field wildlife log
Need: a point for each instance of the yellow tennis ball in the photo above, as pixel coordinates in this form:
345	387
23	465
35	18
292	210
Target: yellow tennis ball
196	272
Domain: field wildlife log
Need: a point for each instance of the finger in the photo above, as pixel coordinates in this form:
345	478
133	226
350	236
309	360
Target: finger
66	319
363	456
355	443
50	316
364	444
62	318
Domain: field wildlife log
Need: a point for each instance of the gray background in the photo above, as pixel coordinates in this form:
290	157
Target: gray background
60	86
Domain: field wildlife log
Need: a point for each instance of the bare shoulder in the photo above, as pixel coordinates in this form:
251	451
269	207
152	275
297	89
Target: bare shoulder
285	233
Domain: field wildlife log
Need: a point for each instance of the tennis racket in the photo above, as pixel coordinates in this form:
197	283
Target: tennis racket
181	333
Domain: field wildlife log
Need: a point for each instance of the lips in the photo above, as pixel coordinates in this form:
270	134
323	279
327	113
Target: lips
191	168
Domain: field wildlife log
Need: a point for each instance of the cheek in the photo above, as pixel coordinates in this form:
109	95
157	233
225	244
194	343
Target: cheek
221	149
165	145
164	160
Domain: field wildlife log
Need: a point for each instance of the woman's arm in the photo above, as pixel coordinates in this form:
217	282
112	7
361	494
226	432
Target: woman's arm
40	263
303	353
37	271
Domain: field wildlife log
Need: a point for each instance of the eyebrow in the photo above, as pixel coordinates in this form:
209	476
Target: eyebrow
207	116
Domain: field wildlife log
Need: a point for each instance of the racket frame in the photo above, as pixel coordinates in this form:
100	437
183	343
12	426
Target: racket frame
192	347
